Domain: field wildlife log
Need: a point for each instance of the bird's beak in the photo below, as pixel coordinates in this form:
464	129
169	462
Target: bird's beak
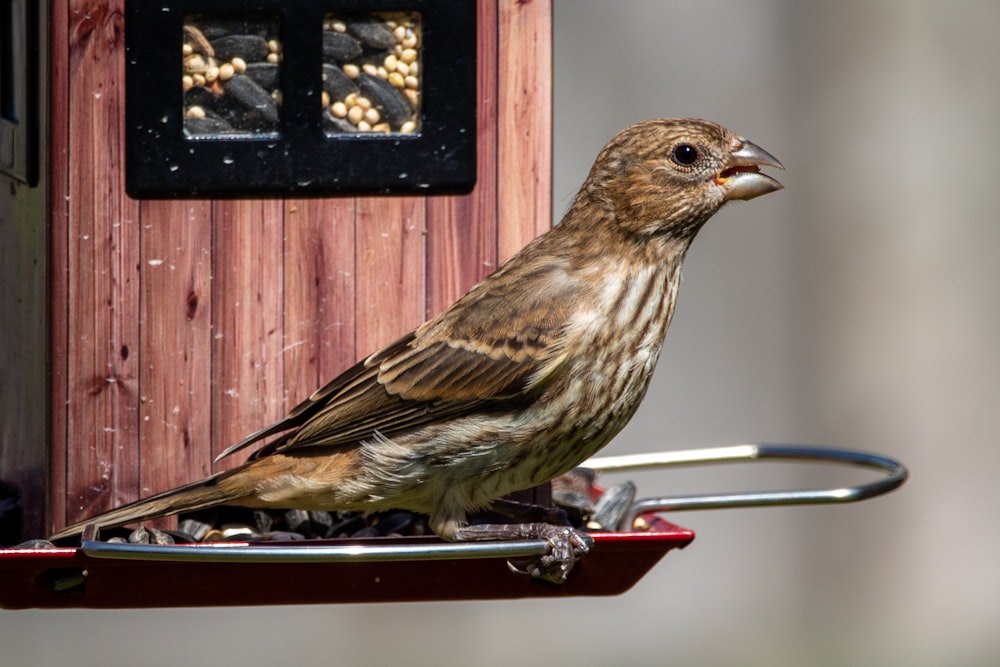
742	178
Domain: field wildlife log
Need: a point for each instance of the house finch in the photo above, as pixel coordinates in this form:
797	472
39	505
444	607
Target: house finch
530	373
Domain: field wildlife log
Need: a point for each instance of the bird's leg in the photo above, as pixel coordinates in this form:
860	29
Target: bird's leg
566	546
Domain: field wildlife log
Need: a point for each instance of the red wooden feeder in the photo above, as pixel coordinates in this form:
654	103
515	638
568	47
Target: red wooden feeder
146	335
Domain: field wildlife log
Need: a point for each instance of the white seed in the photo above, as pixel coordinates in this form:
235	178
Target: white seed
211	74
187	50
399	33
390	62
273	58
351	100
195	112
194	63
339	110
409	41
414	68
372	116
382	127
408	56
187	82
339	26
397	80
239	65
274	46
364	103
199	79
324	98
402	68
412	82
356	115
352	71
370	69
363	126
408	127
226	71
413	96
381	73
277	96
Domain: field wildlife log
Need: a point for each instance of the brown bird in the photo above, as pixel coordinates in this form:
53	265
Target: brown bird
530	373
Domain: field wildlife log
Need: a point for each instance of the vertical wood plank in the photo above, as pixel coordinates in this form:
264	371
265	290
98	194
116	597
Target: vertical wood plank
462	230
319	293
391	280
103	281
176	343
247	302
524	161
524	143
59	232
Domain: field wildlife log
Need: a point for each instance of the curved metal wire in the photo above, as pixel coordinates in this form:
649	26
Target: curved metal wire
896	474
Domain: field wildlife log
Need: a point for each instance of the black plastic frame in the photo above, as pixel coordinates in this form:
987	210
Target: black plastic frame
303	159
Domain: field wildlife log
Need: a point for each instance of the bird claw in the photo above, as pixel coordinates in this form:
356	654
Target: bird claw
566	547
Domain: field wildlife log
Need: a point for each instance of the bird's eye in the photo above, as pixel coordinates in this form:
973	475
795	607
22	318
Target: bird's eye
684	154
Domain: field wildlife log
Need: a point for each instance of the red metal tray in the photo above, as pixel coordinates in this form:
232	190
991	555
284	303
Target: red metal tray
384	569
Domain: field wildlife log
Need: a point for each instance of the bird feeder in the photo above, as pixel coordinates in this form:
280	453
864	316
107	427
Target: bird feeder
219	225
177	286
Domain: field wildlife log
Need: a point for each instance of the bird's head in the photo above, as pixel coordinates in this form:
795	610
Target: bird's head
669	176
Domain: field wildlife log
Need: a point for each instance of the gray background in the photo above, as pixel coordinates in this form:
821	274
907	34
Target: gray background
858	307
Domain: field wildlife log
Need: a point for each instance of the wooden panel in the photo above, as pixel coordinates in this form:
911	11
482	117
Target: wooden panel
59	232
179	327
524	157
103	293
390	235
247	303
319	293
176	343
462	230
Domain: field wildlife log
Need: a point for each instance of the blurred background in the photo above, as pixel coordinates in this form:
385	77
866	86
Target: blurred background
857	308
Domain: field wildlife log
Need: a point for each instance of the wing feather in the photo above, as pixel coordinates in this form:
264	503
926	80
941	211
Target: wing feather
481	354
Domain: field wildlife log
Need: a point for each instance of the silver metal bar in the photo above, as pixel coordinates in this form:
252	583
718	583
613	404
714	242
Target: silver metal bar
896	474
652	460
321	553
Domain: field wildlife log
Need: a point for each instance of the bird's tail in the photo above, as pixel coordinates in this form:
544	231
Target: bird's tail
211	491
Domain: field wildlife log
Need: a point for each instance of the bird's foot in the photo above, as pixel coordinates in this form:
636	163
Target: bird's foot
566	546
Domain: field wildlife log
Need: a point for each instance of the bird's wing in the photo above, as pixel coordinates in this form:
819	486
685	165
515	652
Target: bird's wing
491	348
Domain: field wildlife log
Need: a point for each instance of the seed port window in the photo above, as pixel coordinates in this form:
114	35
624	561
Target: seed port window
315	97
232	77
371	72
